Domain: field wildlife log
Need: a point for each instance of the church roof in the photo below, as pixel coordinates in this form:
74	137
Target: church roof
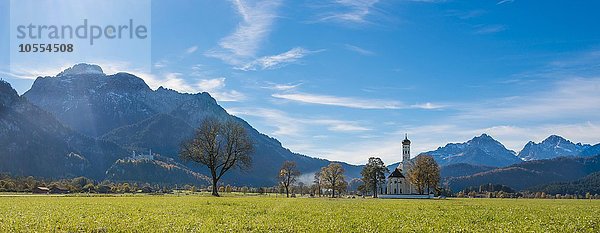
405	141
396	173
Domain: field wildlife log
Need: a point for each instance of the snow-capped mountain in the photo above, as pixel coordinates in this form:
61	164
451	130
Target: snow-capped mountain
551	147
481	150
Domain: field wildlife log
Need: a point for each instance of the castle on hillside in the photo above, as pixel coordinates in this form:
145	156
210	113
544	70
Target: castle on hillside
397	182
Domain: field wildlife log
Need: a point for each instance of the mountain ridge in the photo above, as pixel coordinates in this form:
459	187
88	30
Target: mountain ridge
104	106
551	147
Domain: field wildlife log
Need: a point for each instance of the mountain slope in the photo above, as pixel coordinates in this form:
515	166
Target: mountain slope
552	147
33	142
532	173
589	184
481	150
165	171
123	109
591	151
462	169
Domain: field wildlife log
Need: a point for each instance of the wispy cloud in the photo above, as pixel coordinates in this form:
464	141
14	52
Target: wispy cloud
31	73
175	58
359	50
348	102
216	87
504	1
279	60
281	87
191	50
255	26
352	102
177	81
286	125
568	98
353	11
466	14
428	106
489	29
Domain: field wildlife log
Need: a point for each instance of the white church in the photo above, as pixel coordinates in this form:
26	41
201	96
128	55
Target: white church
397	184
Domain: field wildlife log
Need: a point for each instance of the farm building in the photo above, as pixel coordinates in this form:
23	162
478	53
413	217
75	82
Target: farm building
41	190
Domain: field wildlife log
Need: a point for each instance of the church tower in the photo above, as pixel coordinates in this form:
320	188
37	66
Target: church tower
405	149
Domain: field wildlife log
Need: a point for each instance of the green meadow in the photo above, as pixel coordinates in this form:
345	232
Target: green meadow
191	213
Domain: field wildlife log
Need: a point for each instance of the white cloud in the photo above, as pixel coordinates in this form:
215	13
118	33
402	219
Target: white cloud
348	102
279	60
245	41
352	102
504	1
286	125
281	87
191	50
489	29
427	106
176	81
568	98
216	88
359	50
354	11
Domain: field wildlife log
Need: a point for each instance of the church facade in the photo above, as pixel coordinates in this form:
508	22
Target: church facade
397	182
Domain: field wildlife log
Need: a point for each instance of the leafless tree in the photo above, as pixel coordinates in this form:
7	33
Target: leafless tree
288	175
219	146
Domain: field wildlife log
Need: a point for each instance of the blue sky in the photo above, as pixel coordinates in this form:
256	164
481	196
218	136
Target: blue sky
346	79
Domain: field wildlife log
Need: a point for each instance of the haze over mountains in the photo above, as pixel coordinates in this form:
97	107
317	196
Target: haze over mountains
83	122
122	109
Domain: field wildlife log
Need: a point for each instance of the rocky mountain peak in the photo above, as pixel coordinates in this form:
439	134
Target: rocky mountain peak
81	68
483	139
551	147
7	93
480	150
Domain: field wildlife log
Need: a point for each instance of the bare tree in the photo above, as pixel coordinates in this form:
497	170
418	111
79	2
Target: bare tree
332	178
219	146
425	173
301	187
317	183
373	174
288	175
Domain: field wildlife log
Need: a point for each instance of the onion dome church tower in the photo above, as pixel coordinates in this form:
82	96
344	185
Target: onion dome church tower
397	182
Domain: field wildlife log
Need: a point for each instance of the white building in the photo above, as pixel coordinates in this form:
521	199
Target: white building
397	182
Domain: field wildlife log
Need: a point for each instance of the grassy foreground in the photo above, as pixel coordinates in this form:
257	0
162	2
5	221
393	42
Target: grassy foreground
243	214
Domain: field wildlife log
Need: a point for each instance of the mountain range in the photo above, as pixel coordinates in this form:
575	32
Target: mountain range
122	110
530	173
481	150
83	122
551	147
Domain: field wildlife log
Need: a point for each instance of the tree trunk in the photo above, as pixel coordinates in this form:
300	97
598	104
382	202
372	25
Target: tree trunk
287	192
214	187
375	190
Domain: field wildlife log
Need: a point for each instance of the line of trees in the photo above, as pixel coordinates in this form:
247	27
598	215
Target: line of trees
330	179
79	185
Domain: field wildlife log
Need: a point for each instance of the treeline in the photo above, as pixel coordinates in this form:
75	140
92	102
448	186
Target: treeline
77	185
85	185
560	191
589	184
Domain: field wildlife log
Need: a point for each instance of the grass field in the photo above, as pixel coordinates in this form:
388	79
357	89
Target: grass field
260	214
